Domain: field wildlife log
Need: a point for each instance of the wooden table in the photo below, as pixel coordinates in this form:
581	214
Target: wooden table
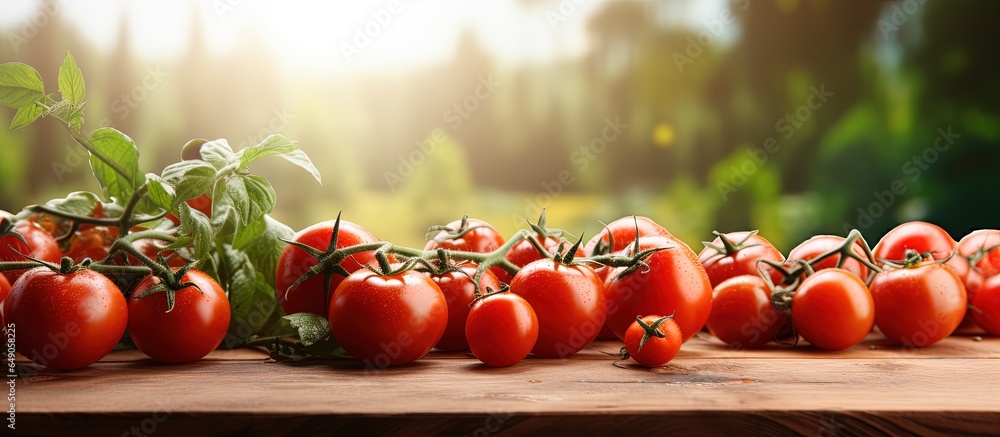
873	388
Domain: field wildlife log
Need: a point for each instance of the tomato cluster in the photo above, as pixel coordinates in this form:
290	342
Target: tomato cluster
68	316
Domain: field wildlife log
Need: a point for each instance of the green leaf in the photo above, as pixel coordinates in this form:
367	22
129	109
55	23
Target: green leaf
20	85
160	192
71	83
218	153
25	116
121	150
197	224
76	203
251	300
265	248
189	179
252	197
312	327
283	147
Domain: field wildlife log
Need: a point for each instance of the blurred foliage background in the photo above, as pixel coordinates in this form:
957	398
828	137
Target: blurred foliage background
794	117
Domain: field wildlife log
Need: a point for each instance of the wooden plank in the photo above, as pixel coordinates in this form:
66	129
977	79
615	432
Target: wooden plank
950	387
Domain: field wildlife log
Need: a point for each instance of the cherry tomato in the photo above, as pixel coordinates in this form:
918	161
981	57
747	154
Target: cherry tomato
151	248
4	290
481	237
918	306
742	313
308	296
41	246
66	321
675	283
388	320
653	341
739	259
502	329
193	328
981	246
814	247
833	310
524	253
459	291
201	203
623	232
985	309
569	303
93	243
922	237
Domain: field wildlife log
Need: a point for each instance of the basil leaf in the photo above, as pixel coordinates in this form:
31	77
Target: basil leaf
20	85
121	150
71	83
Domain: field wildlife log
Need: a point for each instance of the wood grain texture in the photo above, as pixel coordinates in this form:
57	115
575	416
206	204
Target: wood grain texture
952	387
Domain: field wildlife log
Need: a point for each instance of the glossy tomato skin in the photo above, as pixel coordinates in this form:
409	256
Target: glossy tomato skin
93	243
523	253
308	297
922	237
814	247
66	322
4	290
985	309
833	310
979	243
569	303
918	306
721	266
676	283
502	329
196	325
623	232
483	238
151	248
459	291
742	313
388	320
657	351
41	245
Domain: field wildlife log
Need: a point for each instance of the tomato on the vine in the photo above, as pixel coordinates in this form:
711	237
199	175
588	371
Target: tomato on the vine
93	243
502	329
388	320
308	296
524	253
985	309
190	330
476	236
569	302
41	245
674	283
918	305
743	315
66	321
459	291
814	247
833	310
924	238
623	232
653	341
737	253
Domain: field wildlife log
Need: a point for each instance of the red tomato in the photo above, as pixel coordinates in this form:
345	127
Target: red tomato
502	329
193	328
523	253
985	309
569	303
93	243
918	306
41	246
748	249
459	291
4	289
308	297
922	237
481	237
676	283
653	341
388	320
833	309
151	248
66	322
623	232
814	247
980	247
201	203
742	313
